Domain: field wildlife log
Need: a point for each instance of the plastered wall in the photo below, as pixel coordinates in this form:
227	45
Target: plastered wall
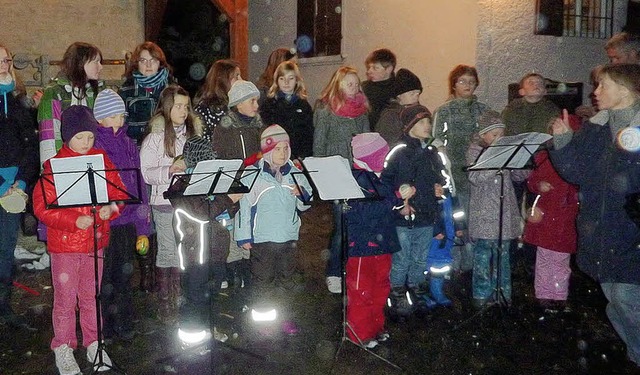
41	27
421	33
507	50
431	37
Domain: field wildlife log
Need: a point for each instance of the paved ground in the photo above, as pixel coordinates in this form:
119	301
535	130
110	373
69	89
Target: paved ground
457	340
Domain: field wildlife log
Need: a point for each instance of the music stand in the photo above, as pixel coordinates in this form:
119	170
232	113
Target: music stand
209	178
512	152
78	184
333	180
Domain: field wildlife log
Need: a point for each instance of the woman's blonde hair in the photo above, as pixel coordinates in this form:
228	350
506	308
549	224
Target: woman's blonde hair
333	94
277	56
19	89
281	70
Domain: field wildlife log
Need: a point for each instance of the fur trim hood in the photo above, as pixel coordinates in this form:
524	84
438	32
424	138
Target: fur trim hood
156	124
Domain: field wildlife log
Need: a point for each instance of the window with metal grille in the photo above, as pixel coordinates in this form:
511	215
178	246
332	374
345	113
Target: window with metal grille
319	29
588	18
578	18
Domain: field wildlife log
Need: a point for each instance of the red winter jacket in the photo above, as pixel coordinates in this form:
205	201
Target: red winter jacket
63	236
559	207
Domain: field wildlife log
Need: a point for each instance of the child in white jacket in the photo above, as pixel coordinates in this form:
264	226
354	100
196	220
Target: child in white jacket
268	223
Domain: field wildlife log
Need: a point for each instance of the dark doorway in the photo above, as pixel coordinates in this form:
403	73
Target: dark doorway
193	34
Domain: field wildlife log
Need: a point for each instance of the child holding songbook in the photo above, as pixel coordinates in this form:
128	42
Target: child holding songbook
135	219
160	158
372	240
70	242
268	223
484	216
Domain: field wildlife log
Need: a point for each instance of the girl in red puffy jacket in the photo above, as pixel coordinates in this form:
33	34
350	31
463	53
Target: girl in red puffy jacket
70	238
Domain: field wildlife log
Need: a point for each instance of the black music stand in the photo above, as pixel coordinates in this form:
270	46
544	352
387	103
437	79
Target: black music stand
79	184
507	153
334	181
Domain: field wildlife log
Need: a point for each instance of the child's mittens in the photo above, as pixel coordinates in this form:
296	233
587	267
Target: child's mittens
406	191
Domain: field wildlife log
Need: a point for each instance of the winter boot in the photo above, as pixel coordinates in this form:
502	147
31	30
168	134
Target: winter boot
233	274
245	273
7	316
164	304
437	292
399	304
421	299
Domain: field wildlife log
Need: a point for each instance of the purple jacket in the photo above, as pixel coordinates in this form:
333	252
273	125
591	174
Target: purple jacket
124	154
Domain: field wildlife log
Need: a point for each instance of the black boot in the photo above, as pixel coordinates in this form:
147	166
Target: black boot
232	274
245	273
7	316
399	304
421	300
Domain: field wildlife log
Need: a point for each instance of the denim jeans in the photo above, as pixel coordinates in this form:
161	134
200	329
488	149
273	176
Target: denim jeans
409	264
485	270
623	311
10	223
334	263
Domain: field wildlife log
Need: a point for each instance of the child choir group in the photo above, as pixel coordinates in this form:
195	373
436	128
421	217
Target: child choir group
399	151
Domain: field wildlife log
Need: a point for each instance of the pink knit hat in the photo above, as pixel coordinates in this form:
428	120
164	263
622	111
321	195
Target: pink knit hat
271	136
370	149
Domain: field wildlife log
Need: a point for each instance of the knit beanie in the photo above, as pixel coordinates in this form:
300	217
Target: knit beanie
370	149
107	104
488	121
241	91
406	81
76	119
412	114
271	136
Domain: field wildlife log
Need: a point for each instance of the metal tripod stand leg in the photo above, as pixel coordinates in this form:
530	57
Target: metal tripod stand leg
98	364
345	323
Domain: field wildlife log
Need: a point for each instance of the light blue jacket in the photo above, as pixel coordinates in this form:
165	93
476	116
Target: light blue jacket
269	212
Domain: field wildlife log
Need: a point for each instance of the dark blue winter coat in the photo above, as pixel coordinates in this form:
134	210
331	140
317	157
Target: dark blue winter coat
607	238
370	222
409	163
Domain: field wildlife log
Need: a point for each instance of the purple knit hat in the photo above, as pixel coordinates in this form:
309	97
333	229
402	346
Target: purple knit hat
76	119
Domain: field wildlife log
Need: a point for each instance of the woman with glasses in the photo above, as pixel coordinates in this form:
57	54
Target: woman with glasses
454	123
18	168
77	83
147	74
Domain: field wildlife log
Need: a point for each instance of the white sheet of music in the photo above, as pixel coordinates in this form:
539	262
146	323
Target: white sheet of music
205	172
332	177
499	154
72	181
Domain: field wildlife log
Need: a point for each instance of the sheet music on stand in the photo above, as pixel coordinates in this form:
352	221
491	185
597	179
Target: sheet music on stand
211	177
333	178
72	181
205	173
511	152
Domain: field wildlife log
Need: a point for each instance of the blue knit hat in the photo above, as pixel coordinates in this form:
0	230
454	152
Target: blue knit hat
107	104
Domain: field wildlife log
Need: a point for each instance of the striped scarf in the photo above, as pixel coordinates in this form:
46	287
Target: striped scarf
160	79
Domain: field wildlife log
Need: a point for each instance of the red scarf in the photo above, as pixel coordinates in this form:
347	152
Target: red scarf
353	107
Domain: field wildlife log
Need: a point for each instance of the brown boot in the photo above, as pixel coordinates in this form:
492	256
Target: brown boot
163	280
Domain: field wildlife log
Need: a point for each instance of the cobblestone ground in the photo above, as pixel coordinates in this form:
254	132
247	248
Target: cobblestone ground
456	340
